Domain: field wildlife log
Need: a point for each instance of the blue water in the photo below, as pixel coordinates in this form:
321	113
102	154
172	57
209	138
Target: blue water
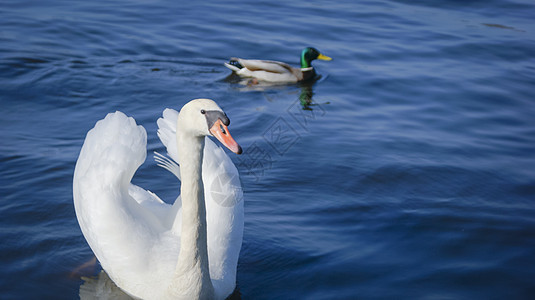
407	171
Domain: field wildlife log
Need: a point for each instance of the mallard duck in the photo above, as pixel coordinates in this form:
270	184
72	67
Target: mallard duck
275	71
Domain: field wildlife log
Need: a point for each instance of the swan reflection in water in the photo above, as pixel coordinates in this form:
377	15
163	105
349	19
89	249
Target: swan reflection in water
96	283
101	287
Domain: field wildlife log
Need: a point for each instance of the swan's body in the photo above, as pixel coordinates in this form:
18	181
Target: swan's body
276	71
150	249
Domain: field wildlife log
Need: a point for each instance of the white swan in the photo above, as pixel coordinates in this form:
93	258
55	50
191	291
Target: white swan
152	250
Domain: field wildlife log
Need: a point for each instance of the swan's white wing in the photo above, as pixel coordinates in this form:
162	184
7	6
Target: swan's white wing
119	230
224	205
167	134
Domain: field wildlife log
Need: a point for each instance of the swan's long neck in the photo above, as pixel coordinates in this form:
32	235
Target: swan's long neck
192	275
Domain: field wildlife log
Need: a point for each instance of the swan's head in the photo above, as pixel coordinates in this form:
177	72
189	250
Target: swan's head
203	117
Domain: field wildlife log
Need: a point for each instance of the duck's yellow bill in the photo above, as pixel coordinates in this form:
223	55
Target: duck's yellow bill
324	57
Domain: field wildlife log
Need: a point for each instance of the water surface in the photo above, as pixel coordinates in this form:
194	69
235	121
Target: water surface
407	171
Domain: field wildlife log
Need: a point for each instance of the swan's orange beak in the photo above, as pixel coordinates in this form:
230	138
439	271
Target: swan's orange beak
220	131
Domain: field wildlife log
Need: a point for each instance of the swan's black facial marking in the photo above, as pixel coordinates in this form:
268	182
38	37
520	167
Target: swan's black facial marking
213	115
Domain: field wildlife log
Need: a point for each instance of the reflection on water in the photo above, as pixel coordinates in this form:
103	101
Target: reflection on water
89	267
252	84
101	287
98	284
305	97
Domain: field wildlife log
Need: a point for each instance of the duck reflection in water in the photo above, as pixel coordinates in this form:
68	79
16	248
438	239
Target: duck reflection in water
306	92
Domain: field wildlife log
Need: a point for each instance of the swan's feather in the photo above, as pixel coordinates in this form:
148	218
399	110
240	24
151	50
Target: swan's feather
167	163
167	132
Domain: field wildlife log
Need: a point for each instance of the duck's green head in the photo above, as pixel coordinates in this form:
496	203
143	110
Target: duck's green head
309	54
